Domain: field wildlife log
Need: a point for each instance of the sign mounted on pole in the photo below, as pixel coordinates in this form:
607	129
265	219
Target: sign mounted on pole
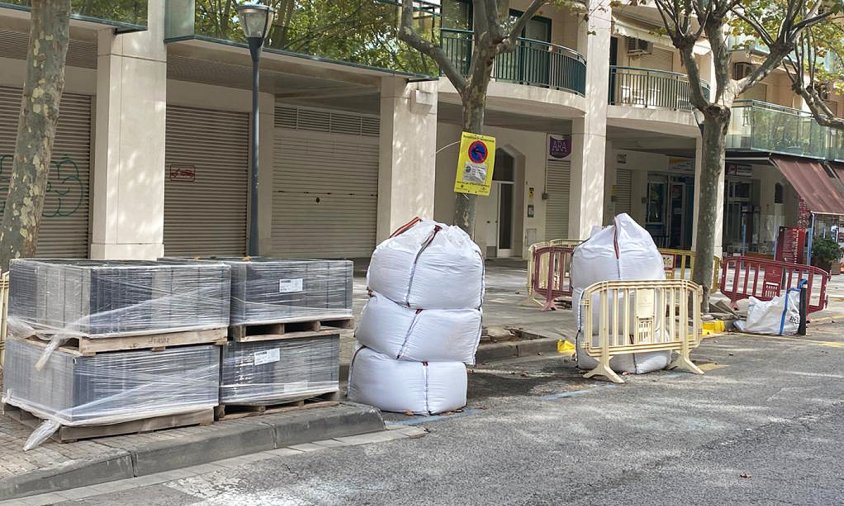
475	164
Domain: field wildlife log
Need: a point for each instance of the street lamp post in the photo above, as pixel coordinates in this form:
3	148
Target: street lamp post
255	20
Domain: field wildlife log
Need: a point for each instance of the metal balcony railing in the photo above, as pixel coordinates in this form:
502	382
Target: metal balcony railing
533	62
657	89
760	126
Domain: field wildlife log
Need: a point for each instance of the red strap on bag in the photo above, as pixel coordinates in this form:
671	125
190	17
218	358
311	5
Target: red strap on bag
407	226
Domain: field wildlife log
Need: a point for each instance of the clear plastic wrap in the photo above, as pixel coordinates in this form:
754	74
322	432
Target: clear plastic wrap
110	388
420	388
437	335
108	298
270	290
430	266
275	371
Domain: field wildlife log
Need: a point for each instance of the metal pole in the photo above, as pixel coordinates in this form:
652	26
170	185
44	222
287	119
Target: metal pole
801	328
811	239
255	44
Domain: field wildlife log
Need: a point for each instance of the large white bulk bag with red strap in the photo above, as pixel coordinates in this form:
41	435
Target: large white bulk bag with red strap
403	333
428	265
421	388
621	251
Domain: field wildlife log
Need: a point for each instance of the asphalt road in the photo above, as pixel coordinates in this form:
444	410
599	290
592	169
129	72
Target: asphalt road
763	426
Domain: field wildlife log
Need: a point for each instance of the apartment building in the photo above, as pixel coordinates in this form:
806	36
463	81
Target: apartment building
357	132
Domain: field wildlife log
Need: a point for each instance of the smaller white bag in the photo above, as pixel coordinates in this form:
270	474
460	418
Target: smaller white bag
779	316
421	335
417	387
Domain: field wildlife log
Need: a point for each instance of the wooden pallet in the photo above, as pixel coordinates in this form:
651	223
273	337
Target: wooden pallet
290	330
67	434
235	411
87	346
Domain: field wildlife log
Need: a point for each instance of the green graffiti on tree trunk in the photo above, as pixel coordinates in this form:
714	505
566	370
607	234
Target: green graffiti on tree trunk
65	190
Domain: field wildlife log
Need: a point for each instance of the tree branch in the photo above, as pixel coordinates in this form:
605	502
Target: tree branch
516	30
409	35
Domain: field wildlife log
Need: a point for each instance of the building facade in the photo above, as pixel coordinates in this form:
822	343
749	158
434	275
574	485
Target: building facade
358	133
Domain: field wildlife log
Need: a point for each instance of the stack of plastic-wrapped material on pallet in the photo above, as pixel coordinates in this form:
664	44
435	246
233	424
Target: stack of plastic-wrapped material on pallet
422	323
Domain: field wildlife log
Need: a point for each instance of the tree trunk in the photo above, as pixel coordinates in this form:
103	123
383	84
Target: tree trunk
715	125
42	92
465	204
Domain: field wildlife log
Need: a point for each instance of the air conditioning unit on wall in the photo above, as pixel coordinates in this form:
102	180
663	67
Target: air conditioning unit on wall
742	70
638	47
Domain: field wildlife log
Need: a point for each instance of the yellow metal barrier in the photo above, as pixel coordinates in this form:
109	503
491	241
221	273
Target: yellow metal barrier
680	263
641	316
4	311
543	266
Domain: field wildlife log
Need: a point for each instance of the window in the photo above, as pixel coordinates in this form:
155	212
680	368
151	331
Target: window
778	193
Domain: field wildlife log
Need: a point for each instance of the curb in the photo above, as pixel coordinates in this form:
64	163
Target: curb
514	349
267	432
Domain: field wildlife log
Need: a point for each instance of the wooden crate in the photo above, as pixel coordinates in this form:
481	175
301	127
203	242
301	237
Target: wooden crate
235	411
67	434
290	329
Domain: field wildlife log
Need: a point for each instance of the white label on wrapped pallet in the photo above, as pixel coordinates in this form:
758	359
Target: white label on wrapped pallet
290	285
267	356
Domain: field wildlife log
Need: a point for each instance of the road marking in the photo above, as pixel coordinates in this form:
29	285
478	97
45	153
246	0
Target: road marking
828	344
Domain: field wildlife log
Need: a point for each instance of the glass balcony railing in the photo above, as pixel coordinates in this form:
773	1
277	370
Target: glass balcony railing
760	126
363	33
125	15
648	88
533	62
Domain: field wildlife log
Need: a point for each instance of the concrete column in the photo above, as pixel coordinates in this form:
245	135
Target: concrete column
407	166
610	190
128	189
586	205
719	224
266	134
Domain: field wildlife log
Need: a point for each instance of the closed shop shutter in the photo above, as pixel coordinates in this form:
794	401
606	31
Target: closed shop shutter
206	182
64	230
325	183
623	191
659	59
557	186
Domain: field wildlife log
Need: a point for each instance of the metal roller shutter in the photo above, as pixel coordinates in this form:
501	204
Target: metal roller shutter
557	186
64	228
206	182
623	191
659	59
325	183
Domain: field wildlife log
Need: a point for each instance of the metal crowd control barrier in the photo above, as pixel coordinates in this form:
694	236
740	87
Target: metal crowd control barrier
4	312
680	263
640	316
549	272
743	277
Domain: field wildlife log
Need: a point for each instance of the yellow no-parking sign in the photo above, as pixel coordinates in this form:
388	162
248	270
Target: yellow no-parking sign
475	164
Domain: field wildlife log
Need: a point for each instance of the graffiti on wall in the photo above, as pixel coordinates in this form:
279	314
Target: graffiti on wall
65	189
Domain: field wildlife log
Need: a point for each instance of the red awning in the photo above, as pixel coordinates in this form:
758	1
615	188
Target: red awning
812	183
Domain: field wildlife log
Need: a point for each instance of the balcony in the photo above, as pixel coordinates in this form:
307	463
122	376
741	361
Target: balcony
760	126
124	15
532	63
651	89
359	33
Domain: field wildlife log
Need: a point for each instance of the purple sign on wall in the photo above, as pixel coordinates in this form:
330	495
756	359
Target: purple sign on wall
559	147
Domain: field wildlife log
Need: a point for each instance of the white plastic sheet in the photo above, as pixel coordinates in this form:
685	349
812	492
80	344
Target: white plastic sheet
430	266
779	316
420	388
437	335
621	251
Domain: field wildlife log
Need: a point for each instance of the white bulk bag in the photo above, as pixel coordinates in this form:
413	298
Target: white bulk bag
622	251
779	316
429	265
437	335
396	385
